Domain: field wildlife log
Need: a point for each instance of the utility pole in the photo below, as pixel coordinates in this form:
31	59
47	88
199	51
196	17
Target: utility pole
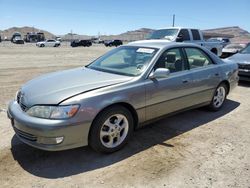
71	33
173	20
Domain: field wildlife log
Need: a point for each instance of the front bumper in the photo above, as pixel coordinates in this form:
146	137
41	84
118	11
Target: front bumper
41	133
244	74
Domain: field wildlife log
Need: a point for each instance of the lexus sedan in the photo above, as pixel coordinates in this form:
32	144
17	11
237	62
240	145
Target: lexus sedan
101	104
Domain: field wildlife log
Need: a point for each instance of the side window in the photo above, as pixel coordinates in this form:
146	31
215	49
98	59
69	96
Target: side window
171	59
196	34
197	58
185	34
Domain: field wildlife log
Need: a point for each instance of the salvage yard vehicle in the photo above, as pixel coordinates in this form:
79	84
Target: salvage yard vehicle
85	43
232	49
101	104
113	43
48	43
243	60
16	36
34	37
18	41
223	41
178	34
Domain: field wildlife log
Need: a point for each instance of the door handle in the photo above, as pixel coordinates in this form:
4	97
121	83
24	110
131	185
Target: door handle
184	81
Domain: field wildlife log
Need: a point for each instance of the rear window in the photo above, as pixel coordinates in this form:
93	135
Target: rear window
196	34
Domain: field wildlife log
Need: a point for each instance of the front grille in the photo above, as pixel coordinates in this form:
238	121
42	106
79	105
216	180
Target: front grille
244	66
23	107
19	99
25	135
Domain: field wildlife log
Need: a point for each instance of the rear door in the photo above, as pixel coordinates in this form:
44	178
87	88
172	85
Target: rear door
205	74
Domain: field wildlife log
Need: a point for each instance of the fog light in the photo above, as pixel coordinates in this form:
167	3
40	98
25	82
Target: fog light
59	140
50	140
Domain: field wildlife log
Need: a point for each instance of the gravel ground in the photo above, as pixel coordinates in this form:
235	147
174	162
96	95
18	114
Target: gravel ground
196	148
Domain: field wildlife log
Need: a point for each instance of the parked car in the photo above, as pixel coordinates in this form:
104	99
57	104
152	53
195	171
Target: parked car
243	60
19	41
113	43
59	39
84	43
102	103
223	41
97	40
179	34
232	49
16	36
48	43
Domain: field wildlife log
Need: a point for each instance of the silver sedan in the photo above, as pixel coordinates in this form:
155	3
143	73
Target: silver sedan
102	103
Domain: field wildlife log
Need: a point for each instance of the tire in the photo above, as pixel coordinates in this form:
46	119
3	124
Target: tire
111	129
219	97
42	45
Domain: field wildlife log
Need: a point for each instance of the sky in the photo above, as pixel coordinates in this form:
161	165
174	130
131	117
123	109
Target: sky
91	17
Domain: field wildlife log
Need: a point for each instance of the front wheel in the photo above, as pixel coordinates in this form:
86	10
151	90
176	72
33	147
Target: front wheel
111	129
219	97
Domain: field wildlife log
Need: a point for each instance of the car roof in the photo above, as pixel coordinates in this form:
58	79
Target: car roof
161	44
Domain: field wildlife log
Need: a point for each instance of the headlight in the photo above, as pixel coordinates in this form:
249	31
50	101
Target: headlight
53	112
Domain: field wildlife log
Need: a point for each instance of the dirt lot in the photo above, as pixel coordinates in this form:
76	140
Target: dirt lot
196	148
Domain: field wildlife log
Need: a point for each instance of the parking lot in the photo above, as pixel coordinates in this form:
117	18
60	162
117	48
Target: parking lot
196	148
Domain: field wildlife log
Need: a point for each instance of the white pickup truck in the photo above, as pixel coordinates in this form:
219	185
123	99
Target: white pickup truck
179	34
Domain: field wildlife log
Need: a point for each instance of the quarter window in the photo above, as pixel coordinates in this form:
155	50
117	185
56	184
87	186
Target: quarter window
197	58
173	60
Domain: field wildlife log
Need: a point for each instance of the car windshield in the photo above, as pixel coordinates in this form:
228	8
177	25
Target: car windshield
126	60
163	33
246	50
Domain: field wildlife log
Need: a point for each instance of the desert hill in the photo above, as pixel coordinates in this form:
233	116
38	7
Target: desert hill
236	34
24	30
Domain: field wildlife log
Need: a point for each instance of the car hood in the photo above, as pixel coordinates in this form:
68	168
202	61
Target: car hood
55	87
241	58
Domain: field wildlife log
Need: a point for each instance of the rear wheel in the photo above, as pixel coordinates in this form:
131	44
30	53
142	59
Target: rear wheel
219	97
111	129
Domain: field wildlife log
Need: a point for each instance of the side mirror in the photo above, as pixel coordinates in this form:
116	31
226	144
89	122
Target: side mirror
159	73
179	38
